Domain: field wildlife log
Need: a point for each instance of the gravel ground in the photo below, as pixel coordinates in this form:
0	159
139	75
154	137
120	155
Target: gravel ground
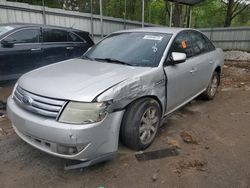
237	56
212	138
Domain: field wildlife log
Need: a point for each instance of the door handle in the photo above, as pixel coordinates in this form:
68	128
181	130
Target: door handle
36	49
211	62
69	48
193	70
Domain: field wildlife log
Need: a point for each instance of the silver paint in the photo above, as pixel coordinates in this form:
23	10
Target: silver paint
87	81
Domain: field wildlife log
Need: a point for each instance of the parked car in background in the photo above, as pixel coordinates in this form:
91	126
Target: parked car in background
24	47
122	88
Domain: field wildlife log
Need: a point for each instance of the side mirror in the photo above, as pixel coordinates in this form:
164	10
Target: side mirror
177	57
8	43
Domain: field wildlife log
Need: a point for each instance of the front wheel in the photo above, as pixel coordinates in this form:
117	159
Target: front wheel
140	123
211	90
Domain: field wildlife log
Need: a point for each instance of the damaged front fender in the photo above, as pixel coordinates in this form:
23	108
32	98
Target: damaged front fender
150	83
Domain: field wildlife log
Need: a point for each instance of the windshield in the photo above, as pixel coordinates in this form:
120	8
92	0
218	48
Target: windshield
137	49
5	29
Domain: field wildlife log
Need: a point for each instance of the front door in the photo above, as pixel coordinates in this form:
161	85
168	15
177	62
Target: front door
181	77
23	56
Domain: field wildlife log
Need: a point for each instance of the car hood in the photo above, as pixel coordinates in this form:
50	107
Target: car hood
77	79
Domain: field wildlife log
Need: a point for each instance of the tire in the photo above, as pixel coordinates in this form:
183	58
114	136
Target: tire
140	123
211	90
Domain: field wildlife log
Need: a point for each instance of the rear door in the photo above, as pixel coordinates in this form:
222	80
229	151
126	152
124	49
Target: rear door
203	56
77	45
23	56
55	45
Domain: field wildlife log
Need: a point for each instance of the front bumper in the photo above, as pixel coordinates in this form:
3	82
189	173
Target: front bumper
92	140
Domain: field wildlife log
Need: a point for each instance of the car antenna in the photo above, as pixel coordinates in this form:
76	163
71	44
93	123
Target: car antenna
73	25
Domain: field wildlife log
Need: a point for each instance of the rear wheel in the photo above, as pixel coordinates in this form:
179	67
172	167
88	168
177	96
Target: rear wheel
140	123
211	90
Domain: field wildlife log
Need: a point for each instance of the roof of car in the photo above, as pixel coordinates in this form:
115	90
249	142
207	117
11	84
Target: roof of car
169	30
23	25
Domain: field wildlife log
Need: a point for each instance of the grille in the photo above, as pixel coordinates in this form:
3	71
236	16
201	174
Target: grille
38	104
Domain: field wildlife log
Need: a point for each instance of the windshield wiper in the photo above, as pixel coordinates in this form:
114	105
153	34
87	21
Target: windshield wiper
111	60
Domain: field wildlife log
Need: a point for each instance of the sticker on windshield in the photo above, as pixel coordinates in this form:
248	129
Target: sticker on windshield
153	37
154	48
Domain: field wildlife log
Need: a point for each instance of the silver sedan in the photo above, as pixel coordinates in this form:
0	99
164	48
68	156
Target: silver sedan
121	88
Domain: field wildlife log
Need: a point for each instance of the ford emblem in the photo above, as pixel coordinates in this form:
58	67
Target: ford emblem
27	100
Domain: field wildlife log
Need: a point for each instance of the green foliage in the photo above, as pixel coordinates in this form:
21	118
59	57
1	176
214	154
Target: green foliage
49	3
156	12
242	19
209	13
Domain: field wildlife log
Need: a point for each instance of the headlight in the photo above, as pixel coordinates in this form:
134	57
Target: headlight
83	113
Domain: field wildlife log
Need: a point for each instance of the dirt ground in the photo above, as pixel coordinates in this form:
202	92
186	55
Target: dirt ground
212	138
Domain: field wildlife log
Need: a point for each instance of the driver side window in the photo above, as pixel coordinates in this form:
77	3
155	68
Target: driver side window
182	43
25	36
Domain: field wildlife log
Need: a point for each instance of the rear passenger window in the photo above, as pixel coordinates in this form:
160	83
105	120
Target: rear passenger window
26	36
54	35
209	44
74	38
183	44
199	43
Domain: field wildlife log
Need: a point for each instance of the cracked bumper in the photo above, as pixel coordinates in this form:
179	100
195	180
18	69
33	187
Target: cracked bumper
91	140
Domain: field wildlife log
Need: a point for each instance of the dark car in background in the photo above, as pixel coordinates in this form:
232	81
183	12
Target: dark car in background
24	47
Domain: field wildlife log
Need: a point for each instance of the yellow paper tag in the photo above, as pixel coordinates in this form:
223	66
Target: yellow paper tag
183	44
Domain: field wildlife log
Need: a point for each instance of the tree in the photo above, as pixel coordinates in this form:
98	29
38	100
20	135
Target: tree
49	3
70	5
234	8
208	13
155	12
177	15
243	18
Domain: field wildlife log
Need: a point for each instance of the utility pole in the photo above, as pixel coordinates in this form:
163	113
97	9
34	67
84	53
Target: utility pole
91	19
150	8
142	22
171	15
125	13
190	16
101	18
44	15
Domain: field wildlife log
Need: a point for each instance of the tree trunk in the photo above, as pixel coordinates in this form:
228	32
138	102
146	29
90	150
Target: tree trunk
229	15
177	15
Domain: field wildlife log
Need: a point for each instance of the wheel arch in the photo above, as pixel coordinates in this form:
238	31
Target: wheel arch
218	70
126	138
147	97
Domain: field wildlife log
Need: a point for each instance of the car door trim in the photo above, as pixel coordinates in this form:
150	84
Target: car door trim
19	44
47	43
185	102
36	49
